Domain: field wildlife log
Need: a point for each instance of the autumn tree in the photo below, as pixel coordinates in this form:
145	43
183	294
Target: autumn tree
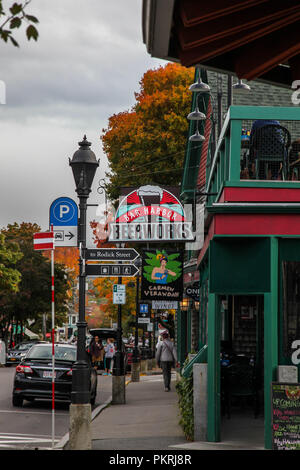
105	312
10	277
33	298
146	145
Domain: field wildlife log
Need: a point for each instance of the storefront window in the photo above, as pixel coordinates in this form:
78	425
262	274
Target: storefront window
291	305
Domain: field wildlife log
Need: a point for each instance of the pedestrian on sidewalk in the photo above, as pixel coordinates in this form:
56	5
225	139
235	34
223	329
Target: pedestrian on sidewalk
97	353
166	358
109	354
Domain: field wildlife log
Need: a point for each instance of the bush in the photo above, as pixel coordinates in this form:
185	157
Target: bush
186	406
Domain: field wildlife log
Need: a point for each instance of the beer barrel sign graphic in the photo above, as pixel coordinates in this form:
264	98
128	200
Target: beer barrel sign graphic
150	213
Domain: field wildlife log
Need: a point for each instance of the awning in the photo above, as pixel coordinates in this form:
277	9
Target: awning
253	39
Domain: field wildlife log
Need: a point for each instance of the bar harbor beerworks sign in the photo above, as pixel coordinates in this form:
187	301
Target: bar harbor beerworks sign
150	213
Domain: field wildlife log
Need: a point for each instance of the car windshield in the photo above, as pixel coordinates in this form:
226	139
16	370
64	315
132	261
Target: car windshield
23	347
45	352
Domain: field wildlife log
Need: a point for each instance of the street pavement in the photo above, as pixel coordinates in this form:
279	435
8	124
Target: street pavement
149	420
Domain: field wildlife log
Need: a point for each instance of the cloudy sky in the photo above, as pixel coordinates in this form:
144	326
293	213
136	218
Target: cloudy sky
86	66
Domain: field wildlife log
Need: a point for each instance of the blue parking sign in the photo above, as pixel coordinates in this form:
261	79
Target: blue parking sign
64	211
64	220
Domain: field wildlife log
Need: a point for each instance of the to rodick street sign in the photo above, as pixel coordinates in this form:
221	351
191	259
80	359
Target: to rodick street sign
112	254
113	270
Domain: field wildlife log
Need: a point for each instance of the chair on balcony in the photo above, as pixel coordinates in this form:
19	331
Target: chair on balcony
268	154
294	161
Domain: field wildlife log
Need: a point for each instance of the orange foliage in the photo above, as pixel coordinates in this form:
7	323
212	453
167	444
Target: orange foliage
147	143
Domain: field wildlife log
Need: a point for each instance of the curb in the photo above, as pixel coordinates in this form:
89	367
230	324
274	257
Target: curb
65	439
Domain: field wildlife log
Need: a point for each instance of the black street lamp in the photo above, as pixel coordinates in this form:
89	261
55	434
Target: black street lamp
136	354
84	166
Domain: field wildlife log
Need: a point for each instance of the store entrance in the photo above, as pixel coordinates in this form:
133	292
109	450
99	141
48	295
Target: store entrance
242	367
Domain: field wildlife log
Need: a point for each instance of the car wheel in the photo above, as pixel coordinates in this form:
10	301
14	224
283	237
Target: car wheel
17	401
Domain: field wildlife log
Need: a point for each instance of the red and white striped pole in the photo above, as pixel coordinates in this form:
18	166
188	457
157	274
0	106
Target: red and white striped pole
45	241
53	349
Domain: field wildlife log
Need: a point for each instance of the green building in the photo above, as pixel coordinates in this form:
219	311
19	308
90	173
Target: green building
246	201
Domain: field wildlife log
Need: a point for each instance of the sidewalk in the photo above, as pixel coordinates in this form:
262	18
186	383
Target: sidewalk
149	420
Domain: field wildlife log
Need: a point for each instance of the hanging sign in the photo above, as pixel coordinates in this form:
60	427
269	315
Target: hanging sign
150	213
162	275
193	291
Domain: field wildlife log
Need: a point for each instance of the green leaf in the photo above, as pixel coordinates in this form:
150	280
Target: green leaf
4	33
15	22
16	8
173	256
15	43
32	32
31	18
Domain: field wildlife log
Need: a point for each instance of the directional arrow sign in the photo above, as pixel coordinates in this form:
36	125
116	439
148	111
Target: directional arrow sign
110	270
112	254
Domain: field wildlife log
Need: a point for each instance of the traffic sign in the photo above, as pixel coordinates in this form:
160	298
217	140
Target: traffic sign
144	308
64	219
106	270
143	320
119	294
112	254
144	314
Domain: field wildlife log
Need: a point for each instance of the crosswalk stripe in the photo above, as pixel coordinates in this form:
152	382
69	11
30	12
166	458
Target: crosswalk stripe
23	439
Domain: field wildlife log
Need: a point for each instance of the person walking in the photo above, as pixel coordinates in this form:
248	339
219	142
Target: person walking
109	354
166	358
97	353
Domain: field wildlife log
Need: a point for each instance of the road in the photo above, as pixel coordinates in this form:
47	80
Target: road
30	427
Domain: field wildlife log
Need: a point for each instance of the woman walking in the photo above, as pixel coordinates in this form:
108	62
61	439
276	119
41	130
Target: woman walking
166	358
109	354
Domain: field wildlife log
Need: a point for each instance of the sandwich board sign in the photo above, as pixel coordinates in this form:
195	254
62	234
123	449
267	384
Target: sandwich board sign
64	219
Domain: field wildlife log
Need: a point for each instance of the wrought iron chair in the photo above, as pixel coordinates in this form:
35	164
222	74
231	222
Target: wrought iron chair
240	381
268	152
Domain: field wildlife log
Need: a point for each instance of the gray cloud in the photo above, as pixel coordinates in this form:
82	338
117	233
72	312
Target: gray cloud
86	66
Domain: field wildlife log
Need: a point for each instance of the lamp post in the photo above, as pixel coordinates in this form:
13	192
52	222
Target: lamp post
135	372
84	166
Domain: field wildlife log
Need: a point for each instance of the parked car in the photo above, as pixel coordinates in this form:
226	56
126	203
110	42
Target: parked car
16	354
33	376
104	334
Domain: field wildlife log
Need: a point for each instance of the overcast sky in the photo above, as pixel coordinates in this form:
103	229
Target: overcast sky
85	66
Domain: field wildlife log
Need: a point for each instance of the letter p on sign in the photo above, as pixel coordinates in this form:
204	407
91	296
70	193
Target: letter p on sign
63	209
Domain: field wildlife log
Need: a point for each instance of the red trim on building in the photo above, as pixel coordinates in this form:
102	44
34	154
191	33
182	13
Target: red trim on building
257	224
231	194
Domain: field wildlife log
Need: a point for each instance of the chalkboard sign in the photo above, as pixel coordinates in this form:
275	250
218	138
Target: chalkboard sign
286	416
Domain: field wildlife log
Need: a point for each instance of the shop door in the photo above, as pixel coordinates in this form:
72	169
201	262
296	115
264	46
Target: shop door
242	359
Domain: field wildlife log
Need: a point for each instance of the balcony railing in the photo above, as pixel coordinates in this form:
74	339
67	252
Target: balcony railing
262	157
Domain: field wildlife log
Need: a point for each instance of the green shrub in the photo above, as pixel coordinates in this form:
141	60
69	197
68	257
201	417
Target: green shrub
186	406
